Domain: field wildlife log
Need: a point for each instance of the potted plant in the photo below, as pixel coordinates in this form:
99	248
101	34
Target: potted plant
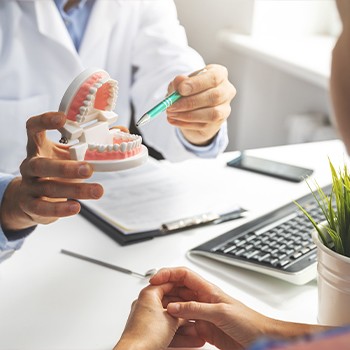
332	238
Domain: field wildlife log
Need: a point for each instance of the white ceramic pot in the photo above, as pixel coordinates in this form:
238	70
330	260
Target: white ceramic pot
333	282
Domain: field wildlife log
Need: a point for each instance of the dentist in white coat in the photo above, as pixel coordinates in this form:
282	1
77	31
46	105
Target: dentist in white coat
44	44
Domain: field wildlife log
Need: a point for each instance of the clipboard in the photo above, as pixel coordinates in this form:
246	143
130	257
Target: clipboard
165	229
161	198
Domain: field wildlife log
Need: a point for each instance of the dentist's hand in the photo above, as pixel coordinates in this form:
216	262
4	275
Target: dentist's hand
50	183
205	105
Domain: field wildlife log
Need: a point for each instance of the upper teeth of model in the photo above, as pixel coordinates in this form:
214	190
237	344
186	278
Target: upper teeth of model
90	98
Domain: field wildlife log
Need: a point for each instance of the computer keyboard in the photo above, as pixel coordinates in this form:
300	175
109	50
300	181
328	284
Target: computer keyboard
277	244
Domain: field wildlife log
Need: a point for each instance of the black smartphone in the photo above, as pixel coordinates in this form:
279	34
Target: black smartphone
269	167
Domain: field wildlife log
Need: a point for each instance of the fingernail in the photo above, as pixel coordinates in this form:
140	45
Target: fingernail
173	308
74	207
96	192
56	119
84	171
186	89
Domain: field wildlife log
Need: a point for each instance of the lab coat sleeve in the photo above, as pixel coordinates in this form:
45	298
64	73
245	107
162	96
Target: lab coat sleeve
7	248
160	53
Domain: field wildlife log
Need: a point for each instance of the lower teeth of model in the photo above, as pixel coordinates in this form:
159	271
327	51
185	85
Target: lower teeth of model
123	147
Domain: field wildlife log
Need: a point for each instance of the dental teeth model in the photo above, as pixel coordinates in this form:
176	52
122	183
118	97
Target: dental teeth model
88	104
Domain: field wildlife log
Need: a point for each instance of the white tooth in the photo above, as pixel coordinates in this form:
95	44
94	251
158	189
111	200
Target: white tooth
97	85
110	148
110	100
93	90
101	148
86	102
89	97
138	142
134	144
116	147
82	110
129	146
123	147
91	146
79	118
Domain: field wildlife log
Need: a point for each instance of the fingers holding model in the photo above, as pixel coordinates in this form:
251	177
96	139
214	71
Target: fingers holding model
50	182
204	106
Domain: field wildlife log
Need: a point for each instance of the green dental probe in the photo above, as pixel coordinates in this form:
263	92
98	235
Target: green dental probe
163	105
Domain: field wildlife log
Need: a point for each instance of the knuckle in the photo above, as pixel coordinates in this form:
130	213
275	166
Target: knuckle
23	167
76	191
223	308
192	306
217	114
232	90
65	169
215	97
33	166
30	122
144	292
215	80
190	103
224	71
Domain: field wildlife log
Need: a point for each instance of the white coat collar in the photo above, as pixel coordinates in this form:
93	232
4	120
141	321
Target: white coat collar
51	24
100	24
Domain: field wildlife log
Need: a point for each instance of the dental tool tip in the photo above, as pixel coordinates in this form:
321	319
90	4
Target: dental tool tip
143	120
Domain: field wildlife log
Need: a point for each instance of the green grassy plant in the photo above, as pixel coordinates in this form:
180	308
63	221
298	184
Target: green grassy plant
335	234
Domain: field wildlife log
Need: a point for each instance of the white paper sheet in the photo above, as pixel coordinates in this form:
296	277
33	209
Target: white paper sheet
144	198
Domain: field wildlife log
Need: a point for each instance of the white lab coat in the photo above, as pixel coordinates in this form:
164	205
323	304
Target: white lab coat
139	43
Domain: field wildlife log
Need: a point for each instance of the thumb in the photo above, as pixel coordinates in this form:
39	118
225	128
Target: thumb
195	311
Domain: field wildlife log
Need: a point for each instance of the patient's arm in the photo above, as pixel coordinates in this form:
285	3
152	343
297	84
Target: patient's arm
340	75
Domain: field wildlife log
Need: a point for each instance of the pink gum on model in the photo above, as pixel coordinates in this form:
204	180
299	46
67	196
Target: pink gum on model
89	104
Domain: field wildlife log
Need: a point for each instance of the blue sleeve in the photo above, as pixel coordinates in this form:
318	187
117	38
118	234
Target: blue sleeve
311	341
7	248
218	145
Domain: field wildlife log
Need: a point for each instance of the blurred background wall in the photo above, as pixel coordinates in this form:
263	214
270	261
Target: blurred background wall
278	57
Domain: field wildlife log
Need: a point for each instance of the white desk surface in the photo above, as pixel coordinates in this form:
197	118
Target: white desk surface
50	301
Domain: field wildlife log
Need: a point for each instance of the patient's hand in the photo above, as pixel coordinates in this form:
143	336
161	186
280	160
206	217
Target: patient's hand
220	319
150	327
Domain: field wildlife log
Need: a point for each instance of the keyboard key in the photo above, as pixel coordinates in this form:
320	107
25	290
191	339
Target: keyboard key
264	257
251	253
229	248
296	255
283	262
239	252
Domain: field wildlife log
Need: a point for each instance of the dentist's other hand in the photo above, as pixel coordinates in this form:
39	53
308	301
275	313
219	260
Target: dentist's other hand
50	183
205	104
